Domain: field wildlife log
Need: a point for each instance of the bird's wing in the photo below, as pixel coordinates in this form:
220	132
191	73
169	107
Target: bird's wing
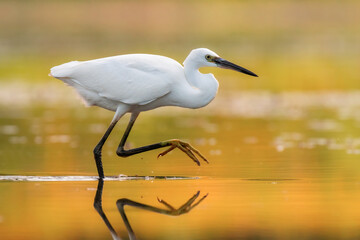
131	79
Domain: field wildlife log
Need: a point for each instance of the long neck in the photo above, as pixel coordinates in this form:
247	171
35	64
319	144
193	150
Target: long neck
203	86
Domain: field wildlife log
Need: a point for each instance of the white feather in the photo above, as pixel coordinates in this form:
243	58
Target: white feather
141	82
131	79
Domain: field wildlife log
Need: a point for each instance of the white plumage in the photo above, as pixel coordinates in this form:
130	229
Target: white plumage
118	78
133	79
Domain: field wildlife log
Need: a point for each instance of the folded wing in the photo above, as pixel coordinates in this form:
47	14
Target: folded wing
131	79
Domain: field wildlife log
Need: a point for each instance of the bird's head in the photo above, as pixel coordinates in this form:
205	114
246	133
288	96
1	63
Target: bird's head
203	57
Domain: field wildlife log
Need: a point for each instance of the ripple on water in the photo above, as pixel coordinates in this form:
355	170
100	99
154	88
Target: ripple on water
121	177
351	145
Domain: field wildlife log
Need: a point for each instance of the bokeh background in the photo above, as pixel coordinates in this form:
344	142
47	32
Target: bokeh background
283	148
301	45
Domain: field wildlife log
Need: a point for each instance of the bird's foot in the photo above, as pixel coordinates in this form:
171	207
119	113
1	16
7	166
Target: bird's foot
186	148
186	207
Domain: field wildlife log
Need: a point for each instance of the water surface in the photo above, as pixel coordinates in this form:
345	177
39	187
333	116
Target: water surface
282	166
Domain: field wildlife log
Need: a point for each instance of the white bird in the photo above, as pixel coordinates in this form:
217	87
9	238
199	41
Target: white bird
134	83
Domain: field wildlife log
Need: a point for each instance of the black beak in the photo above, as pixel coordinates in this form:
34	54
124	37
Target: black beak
222	63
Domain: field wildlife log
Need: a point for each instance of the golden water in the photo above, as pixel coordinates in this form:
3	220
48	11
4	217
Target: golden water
282	166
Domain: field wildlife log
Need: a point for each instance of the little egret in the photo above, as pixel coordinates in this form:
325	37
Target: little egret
134	83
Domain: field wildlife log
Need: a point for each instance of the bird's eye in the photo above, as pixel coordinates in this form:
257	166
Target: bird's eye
208	57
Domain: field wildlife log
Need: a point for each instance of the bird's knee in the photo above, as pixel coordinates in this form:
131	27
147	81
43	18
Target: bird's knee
122	153
97	151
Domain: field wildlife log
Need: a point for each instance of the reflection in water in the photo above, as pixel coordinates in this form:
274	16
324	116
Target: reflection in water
22	178
121	203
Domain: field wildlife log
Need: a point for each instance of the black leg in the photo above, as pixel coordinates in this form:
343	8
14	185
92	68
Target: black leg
98	148
183	146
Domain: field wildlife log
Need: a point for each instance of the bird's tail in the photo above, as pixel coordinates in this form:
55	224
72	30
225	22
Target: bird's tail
63	70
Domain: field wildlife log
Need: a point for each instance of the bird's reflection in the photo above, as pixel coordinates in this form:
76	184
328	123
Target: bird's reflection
121	203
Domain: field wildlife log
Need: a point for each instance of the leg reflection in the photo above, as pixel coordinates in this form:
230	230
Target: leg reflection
99	209
121	203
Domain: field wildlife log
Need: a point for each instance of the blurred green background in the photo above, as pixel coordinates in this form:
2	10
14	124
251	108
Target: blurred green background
292	45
